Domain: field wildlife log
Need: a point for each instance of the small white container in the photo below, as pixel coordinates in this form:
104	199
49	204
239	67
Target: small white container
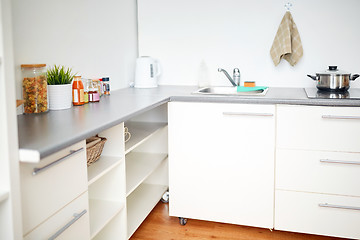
60	96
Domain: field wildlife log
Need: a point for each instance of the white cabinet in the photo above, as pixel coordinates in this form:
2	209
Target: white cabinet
71	222
54	195
51	184
221	162
318	128
318	170
314	213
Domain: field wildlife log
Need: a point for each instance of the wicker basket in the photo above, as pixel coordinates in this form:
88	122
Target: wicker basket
94	147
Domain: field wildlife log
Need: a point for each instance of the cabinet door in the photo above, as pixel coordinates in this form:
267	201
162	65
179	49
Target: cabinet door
221	162
49	185
70	223
331	215
318	128
318	171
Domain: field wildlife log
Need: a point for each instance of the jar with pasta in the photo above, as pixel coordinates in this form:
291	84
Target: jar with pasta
34	88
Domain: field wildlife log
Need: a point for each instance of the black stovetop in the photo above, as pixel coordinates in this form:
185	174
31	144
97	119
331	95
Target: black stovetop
352	93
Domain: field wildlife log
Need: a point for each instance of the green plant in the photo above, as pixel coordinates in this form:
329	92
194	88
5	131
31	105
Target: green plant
59	75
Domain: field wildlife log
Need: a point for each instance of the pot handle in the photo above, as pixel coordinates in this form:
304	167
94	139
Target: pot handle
313	77
354	77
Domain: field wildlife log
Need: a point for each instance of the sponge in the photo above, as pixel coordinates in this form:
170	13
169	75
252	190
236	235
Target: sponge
249	84
249	89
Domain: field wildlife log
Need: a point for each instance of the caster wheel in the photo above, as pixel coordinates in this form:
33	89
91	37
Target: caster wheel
165	197
182	221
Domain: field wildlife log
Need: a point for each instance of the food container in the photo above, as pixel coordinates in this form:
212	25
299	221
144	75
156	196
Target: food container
34	88
333	79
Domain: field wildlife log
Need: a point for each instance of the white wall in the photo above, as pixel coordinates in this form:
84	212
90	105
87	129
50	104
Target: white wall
95	38
239	33
10	208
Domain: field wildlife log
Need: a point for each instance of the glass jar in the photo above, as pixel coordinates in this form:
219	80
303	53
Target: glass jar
97	84
34	88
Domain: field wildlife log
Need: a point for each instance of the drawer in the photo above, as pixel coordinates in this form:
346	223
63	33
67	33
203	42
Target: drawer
317	171
45	191
301	212
71	222
318	128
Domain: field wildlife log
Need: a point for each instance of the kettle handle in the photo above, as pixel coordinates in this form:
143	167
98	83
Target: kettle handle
158	68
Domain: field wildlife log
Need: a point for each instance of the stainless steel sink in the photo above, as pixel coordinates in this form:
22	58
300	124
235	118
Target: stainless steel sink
229	91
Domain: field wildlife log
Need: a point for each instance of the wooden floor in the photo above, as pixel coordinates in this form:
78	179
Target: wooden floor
159	226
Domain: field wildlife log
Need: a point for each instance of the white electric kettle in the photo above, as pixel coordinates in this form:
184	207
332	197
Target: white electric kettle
147	72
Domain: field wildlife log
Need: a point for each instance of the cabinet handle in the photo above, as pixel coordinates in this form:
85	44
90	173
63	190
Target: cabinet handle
248	114
338	206
340	117
339	161
72	152
77	216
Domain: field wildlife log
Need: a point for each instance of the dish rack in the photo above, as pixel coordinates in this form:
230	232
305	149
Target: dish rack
94	147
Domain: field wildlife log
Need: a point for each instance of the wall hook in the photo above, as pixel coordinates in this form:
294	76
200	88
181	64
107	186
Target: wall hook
288	6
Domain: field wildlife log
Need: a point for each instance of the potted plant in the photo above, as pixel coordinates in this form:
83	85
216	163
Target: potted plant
59	87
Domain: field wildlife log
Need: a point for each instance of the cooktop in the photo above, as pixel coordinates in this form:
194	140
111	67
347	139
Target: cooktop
352	93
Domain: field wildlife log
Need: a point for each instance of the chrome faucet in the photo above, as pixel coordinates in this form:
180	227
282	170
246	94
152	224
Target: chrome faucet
235	81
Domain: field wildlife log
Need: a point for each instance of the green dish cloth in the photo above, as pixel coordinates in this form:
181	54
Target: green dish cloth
249	89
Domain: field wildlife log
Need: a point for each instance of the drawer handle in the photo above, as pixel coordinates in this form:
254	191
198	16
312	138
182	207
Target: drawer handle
340	117
60	231
339	161
72	152
338	206
248	114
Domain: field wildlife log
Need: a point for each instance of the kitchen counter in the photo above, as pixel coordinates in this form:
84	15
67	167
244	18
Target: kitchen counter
43	134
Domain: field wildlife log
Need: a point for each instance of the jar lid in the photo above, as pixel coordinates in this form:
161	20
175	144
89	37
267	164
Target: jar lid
32	65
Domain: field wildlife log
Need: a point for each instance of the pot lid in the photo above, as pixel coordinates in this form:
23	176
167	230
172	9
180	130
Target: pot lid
333	70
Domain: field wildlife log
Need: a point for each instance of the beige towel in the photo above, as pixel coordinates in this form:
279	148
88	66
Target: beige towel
287	42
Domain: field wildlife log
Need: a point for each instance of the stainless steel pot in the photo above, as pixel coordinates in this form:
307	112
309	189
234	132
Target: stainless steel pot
333	79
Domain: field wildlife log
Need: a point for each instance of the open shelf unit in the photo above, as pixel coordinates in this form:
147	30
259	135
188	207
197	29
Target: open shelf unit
106	187
140	203
104	211
146	170
139	166
140	132
101	167
128	180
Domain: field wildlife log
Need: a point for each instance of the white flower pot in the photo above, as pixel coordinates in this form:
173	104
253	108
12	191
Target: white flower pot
60	96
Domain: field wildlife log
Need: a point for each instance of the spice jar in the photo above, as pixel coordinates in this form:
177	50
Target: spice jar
98	85
34	88
94	95
106	85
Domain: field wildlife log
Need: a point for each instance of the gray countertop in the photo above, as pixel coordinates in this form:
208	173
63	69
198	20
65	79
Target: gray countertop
47	133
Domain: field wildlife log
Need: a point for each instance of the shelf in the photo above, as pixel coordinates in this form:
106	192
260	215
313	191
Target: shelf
101	213
139	166
101	167
3	195
140	203
140	132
